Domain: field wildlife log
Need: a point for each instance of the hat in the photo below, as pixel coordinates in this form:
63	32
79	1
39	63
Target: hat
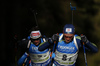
35	34
69	29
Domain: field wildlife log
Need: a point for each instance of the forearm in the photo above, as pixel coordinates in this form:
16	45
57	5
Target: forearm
43	46
92	47
23	45
22	59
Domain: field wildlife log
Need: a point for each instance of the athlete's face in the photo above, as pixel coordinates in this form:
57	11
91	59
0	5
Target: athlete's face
68	37
36	41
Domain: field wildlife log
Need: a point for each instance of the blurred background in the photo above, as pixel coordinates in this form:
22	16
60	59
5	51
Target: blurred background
17	19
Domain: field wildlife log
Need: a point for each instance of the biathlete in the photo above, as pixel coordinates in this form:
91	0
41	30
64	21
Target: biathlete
67	46
32	56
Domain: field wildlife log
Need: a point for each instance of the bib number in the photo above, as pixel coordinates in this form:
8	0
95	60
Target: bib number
65	58
39	56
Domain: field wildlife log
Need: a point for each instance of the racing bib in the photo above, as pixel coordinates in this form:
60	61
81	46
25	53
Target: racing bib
66	54
39	58
65	59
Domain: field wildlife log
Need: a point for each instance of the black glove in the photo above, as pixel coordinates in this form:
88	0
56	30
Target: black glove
55	37
84	39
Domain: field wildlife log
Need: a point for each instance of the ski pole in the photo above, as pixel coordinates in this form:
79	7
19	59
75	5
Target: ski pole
54	45
84	52
53	50
34	14
24	64
51	54
72	8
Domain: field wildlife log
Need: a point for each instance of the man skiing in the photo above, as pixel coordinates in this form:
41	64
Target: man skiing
32	53
67	46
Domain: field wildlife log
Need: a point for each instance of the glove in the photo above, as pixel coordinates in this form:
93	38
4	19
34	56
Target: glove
55	37
84	39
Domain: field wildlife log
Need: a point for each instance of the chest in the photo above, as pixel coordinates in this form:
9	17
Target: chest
34	49
64	47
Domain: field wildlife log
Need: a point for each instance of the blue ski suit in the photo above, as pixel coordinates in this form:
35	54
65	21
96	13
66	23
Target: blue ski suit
38	58
67	53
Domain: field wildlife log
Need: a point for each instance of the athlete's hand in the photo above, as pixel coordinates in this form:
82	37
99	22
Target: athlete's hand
55	37
84	39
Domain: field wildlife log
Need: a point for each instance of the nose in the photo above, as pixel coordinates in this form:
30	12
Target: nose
67	39
36	41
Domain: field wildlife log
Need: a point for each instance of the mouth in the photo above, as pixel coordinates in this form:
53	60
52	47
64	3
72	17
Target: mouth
67	41
36	43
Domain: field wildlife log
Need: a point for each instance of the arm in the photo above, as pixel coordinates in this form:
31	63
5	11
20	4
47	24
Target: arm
22	51
91	46
24	58
23	45
49	43
43	46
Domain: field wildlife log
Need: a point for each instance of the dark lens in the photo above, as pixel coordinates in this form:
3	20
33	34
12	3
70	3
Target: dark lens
68	36
35	39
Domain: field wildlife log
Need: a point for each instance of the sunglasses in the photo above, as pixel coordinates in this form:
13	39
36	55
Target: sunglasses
35	39
68	36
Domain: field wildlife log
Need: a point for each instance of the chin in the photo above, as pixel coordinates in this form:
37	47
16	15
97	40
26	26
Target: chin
67	41
36	44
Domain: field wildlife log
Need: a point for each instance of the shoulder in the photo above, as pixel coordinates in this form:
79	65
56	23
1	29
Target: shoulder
60	34
77	37
24	43
44	38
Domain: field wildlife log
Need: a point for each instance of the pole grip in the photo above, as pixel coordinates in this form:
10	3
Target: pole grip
84	51
82	42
